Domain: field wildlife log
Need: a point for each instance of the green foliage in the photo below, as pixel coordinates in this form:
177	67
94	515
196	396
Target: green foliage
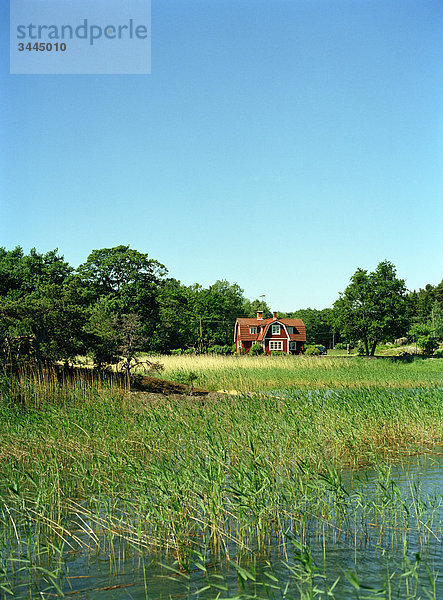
436	320
256	350
319	325
40	297
123	284
373	307
361	350
426	305
341	346
427	343
312	351
417	330
70	313
224	350
251	309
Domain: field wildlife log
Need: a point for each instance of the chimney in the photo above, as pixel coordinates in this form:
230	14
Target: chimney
274	315
259	315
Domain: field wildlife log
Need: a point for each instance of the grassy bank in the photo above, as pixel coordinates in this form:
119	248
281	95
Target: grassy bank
71	441
247	373
87	468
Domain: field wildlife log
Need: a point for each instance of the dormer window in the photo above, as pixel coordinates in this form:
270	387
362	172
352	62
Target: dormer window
290	330
276	329
252	329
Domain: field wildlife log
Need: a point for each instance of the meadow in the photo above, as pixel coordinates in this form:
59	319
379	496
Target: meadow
250	374
222	496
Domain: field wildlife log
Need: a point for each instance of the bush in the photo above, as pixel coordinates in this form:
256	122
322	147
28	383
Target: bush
277	353
177	351
438	353
418	330
361	351
222	350
256	350
312	351
427	343
340	346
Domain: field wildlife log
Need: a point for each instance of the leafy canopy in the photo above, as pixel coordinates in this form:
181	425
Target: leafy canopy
373	307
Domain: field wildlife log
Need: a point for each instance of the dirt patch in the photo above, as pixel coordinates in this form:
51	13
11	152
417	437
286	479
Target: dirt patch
161	386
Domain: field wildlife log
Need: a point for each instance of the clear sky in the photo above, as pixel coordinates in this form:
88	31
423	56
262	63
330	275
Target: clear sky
279	144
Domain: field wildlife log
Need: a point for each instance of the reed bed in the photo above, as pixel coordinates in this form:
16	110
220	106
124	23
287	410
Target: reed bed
247	373
96	470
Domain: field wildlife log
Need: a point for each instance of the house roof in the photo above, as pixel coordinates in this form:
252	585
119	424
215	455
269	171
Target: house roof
245	323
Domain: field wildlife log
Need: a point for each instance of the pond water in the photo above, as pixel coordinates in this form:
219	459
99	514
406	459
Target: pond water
382	539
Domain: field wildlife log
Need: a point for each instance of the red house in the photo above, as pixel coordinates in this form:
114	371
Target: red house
283	335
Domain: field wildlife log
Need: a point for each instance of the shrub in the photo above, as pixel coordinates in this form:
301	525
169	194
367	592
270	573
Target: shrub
312	351
340	346
418	330
277	353
177	351
438	353
427	343
361	351
222	350
256	350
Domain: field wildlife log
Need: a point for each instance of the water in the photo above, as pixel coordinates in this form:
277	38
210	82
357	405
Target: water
381	538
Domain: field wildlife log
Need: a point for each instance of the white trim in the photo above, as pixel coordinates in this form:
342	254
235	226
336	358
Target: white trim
253	327
273	342
279	328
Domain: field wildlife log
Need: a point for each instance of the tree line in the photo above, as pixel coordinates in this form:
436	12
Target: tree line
120	302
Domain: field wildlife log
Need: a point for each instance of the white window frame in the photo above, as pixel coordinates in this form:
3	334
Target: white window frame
252	329
276	345
276	329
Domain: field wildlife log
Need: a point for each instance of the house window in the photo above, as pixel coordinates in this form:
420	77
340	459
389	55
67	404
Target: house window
253	330
290	329
276	345
276	329
292	345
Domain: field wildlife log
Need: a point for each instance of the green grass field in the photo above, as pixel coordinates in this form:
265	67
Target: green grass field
248	373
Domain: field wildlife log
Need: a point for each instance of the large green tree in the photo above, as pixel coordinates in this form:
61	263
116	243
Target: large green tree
373	307
41	299
124	284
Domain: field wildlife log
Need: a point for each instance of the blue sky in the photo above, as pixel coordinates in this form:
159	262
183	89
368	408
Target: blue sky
277	144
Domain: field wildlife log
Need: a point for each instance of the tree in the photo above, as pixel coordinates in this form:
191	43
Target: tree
122	282
251	309
319	329
373	307
436	321
176	327
423	336
41	299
